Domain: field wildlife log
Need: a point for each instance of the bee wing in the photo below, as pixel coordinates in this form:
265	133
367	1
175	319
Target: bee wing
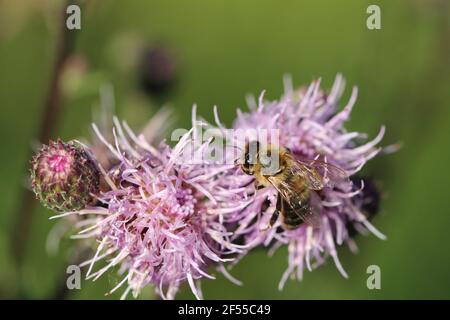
287	195
283	188
319	174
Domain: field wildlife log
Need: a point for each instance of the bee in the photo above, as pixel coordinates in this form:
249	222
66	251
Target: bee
296	181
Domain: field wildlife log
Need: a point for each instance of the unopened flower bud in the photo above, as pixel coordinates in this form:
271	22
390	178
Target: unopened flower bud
370	197
157	71
64	176
368	200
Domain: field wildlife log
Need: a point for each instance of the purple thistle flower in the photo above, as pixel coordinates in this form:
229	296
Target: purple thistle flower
309	125
155	222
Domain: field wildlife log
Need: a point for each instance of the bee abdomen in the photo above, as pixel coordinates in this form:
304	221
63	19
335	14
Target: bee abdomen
292	221
294	215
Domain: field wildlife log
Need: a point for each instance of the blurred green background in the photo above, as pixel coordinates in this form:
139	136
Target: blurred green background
223	50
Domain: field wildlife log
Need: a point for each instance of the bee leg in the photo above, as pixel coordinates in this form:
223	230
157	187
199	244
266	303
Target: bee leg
277	211
258	186
274	218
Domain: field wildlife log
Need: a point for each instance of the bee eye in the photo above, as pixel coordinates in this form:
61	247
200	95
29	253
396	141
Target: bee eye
247	159
247	164
250	158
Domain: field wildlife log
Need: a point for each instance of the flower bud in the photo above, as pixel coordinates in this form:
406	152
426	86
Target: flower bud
368	200
157	71
64	176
